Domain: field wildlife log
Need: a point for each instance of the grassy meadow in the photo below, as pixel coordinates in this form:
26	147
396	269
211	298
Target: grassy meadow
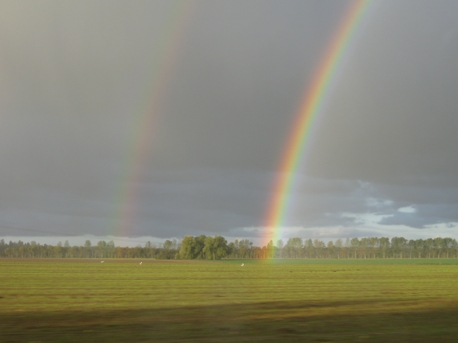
76	300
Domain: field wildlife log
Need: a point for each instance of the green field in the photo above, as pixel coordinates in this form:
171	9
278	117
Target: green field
176	301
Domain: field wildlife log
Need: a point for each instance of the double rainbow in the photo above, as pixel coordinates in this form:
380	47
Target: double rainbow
310	108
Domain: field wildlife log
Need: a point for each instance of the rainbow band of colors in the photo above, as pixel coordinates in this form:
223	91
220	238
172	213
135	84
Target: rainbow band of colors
310	108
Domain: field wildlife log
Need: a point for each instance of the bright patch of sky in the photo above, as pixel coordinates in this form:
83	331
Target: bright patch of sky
407	209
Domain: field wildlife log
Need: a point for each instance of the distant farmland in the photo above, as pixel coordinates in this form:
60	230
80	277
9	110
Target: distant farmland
76	300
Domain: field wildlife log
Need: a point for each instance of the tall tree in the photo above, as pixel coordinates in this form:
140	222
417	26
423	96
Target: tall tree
186	251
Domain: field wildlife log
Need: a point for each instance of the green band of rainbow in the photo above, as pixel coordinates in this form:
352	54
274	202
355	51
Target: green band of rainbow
309	110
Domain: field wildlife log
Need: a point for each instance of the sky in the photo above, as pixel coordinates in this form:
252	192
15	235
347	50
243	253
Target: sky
151	120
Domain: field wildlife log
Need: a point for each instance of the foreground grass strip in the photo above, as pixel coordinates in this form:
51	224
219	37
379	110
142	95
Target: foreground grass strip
122	301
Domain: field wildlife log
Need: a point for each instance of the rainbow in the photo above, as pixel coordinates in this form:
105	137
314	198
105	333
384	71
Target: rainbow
310	108
144	124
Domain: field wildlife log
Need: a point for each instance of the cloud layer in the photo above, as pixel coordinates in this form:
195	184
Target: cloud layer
157	119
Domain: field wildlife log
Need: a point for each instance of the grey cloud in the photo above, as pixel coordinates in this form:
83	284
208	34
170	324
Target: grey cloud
392	118
78	79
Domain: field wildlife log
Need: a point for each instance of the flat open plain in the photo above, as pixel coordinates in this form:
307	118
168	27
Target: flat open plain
72	300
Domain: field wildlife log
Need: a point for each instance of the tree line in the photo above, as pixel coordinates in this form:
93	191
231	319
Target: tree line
215	248
102	249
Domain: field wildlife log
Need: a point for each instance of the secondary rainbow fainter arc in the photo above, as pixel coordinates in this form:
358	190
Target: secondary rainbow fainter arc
310	108
144	125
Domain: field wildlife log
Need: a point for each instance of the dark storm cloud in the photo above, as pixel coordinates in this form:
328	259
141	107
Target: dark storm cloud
393	118
240	81
206	200
75	77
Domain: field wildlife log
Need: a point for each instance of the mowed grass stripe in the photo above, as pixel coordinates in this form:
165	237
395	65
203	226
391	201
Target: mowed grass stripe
290	301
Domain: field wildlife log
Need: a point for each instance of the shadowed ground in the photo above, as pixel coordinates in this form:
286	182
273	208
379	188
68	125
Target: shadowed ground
263	322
